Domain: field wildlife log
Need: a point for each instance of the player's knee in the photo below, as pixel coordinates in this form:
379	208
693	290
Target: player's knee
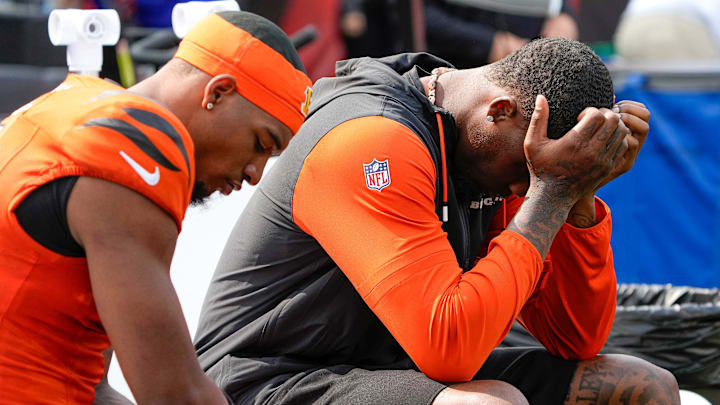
655	382
668	382
665	385
507	394
481	393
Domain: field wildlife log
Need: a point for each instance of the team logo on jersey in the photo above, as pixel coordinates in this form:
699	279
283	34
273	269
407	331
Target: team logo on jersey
305	105
377	174
151	179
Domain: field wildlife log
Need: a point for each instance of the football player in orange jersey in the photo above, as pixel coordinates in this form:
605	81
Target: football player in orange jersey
96	181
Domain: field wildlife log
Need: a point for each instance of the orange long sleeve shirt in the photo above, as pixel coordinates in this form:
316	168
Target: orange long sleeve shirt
391	246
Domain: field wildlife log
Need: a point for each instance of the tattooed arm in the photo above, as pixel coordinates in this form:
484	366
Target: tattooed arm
635	116
540	217
582	214
571	312
562	171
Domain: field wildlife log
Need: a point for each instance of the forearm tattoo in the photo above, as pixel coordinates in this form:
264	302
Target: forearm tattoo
540	217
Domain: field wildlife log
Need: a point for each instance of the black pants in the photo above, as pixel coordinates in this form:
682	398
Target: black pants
541	377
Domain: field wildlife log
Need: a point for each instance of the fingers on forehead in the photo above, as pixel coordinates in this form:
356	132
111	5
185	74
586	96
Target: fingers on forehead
633	142
622	126
595	121
634	108
619	131
611	118
592	119
623	148
634	122
630	102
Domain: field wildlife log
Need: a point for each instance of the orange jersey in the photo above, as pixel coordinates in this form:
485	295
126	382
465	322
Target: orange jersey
51	337
384	234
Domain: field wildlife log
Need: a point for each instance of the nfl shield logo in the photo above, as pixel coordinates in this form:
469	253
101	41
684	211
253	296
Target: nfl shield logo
377	174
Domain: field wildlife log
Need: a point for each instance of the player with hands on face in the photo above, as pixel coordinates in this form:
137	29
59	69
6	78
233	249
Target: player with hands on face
418	213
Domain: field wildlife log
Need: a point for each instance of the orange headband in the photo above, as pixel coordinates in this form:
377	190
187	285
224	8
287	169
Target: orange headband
263	75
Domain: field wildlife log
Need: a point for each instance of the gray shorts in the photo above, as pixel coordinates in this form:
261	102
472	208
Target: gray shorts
541	377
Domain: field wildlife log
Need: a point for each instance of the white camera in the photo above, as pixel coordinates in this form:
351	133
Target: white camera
84	32
186	15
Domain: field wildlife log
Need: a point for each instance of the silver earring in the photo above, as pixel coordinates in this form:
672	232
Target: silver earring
490	118
209	106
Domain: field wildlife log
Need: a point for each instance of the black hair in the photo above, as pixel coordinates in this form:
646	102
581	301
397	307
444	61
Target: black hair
568	73
267	32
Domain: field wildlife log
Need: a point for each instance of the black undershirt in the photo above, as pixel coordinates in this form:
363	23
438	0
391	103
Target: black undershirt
43	215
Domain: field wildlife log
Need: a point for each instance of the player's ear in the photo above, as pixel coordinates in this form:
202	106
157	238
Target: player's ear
501	108
217	89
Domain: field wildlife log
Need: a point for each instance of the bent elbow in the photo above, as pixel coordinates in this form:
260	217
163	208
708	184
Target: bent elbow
449	373
451	367
584	351
587	353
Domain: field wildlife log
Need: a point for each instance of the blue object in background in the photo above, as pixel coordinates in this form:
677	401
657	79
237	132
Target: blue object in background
156	13
666	210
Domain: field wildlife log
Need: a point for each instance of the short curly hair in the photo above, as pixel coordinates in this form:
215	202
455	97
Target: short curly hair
568	73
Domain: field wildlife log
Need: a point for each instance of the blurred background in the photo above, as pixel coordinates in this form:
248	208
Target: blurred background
663	53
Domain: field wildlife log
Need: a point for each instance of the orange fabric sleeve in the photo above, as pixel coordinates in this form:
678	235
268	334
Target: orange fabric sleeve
103	132
391	246
572	311
128	143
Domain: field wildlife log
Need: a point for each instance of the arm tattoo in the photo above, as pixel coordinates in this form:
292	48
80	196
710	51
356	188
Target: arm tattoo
581	220
597	383
540	217
583	214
